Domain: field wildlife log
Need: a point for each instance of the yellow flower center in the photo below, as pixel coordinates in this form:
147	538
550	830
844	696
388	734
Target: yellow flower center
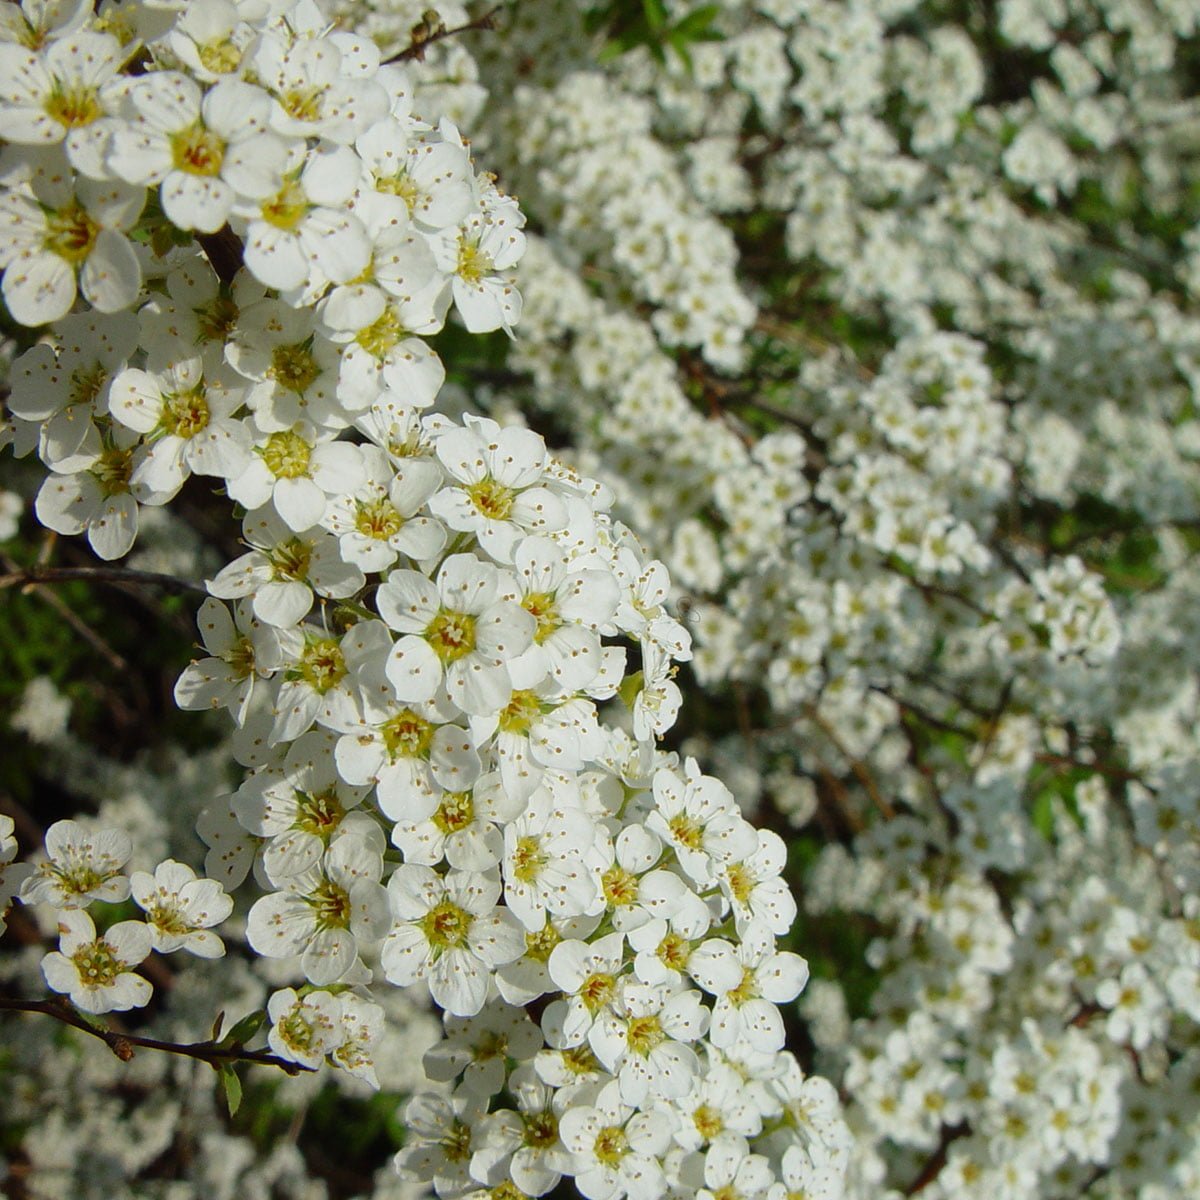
291	560
741	882
166	916
455	813
528	859
197	150
598	990
378	519
378	338
539	945
620	887
451	634
186	414
686	831
492	499
541	1129
473	263
112	472
287	208
97	963
542	607
644	1034
331	905
745	990
520	713
70	233
707	1121
286	455
322	665
318	813
406	735
73	105
446	926
400	184
611	1145
674	950
221	58
303	104
293	367
85	384
217	319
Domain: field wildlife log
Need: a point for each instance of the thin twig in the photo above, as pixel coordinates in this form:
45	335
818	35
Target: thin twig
861	772
423	40
124	1044
28	576
32	576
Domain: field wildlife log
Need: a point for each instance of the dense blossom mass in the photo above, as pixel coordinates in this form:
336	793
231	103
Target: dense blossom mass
236	234
875	320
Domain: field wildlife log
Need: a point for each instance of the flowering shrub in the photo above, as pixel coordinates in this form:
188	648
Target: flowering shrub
824	406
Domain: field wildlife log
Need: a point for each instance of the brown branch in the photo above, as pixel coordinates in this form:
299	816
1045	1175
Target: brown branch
861	771
424	34
29	577
123	1045
937	1160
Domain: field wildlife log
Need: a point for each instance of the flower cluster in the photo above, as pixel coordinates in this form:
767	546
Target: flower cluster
240	236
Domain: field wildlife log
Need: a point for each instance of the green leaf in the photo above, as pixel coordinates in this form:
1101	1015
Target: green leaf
630	686
231	1087
697	25
656	14
245	1029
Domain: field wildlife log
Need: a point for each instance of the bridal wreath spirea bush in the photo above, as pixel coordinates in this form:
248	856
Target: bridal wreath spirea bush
795	492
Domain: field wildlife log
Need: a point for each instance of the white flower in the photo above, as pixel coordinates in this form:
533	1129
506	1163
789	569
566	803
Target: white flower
445	1128
544	869
207	150
495	489
456	630
478	1048
747	1010
617	1151
300	806
318	92
523	1146
411	752
59	235
64	94
643	1039
180	909
95	972
699	819
754	881
64	386
731	1170
428	181
188	407
12	874
478	256
363	1024
283	569
378	519
326	914
295	366
297	471
303	234
570	604
304	1029
80	867
462	829
241	650
98	500
449	933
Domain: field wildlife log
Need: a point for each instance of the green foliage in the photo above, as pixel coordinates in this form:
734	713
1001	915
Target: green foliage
629	24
